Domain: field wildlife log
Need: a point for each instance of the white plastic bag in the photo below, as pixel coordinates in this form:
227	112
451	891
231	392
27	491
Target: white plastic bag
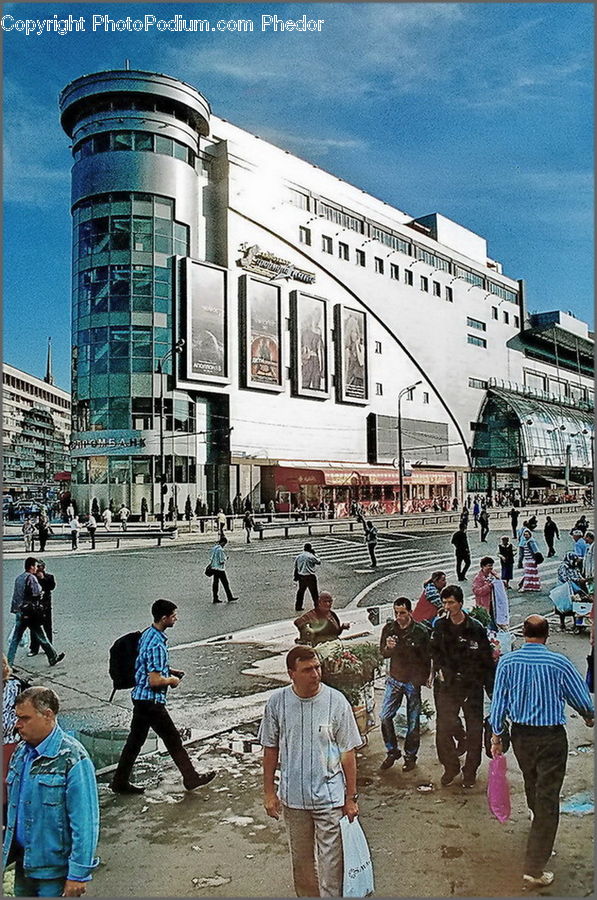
561	597
500	603
358	868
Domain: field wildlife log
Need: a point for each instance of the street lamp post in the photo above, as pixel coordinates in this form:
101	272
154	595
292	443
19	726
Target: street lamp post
178	348
404	391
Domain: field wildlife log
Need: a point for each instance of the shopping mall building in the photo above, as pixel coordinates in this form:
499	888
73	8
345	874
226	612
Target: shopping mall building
245	322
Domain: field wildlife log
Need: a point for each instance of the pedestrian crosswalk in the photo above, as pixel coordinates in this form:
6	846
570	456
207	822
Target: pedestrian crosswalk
392	556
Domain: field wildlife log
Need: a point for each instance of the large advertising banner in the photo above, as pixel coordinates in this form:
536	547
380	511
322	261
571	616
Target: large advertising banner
262	334
308	323
351	355
206	304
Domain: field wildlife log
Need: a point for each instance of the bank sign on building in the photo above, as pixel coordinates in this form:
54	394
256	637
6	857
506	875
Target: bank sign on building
244	322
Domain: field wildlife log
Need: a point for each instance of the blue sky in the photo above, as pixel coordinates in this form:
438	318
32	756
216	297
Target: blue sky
480	111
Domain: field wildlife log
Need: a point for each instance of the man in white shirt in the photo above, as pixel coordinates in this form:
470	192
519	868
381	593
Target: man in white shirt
305	576
309	729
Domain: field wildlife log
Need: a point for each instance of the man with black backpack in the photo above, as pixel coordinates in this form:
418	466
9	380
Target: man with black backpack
27	605
153	677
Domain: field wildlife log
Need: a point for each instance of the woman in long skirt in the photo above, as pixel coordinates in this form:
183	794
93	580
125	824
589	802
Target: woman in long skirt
530	578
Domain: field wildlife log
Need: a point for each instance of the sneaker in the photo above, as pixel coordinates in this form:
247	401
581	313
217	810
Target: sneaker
31	653
468	781
232	599
542	880
200	781
127	788
58	659
448	777
390	759
409	764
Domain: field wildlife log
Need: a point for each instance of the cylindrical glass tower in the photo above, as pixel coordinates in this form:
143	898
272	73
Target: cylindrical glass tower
135	204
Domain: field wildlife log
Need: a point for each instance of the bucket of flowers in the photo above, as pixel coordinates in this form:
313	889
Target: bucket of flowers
352	672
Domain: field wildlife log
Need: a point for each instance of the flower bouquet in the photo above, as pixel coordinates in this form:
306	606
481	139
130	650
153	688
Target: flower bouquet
352	672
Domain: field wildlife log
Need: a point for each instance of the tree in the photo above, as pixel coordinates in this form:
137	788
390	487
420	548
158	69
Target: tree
188	509
198	507
95	510
170	515
144	509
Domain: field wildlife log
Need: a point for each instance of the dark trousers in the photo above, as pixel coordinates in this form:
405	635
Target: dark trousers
149	714
463	561
220	577
43	538
46	627
371	549
549	539
484	530
449	701
74	539
541	753
306	582
514	527
91	532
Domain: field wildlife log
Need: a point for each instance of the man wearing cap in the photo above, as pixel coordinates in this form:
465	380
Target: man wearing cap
531	688
305	576
580	545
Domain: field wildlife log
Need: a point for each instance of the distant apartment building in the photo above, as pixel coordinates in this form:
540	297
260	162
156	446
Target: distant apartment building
36	421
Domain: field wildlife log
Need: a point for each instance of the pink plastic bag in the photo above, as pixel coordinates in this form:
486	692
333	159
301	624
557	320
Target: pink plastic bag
498	789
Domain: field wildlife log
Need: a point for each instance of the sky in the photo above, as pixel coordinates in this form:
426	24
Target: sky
480	111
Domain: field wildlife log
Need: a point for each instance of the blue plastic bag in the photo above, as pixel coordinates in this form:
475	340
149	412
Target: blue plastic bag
358	867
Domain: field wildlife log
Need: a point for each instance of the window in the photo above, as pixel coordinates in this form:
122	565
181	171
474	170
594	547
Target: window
449	295
345	220
394	271
327	244
379	265
469	276
503	292
342	250
477	341
477	383
297	198
437	289
431	259
506	318
305	235
425	397
408	277
494	312
360	257
410	394
517	321
379	389
390	240
424	284
378	346
475	323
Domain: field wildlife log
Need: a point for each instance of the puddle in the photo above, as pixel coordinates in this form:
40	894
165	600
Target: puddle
581	804
451	852
585	748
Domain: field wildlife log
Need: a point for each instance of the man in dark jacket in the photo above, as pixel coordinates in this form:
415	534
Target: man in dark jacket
551	532
48	584
406	644
514	514
463	665
463	552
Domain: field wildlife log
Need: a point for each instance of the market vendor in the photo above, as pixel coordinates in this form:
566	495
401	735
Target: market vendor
320	624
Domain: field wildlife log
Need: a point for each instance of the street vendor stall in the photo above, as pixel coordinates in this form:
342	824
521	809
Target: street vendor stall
352	670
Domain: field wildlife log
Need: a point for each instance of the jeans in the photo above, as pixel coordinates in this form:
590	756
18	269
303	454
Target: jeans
220	577
35	887
149	714
306	582
395	691
20	628
541	753
449	700
463	561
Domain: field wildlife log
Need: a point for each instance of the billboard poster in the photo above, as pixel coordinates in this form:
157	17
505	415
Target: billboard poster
206	322
351	355
263	363
308	324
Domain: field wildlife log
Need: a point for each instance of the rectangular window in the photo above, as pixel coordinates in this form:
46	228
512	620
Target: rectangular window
379	389
506	318
469	276
477	341
378	265
123	140
164	145
390	240
438	262
437	289
305	235
143	140
503	292
394	271
410	394
339	217
378	346
327	244
517	321
424	284
408	277
425	397
494	312
297	198
477	383
343	250
475	323
449	295
360	258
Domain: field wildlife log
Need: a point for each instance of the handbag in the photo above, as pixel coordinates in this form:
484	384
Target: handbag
538	557
498	789
358	867
209	570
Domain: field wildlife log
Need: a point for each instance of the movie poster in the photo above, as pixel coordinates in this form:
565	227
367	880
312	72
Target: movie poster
351	355
309	345
262	330
206	322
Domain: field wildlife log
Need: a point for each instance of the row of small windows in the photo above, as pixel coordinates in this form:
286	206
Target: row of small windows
133	470
34	390
121	288
124	204
134	140
408	396
351	222
478	383
557	387
145	103
118	233
140	413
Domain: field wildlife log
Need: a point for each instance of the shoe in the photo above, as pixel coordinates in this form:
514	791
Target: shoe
200	781
58	659
299	608
390	759
543	880
232	599
409	764
448	777
127	788
468	781
216	601
31	653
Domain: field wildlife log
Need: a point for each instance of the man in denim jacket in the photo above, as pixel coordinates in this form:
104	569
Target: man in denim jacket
52	824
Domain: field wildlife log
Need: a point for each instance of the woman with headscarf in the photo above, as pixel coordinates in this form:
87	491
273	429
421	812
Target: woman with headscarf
569	573
530	580
430	604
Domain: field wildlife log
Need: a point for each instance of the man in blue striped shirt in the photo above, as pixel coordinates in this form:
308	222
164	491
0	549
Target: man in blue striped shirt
531	687
153	677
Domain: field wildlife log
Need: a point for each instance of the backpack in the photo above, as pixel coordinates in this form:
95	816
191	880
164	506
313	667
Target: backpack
123	656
